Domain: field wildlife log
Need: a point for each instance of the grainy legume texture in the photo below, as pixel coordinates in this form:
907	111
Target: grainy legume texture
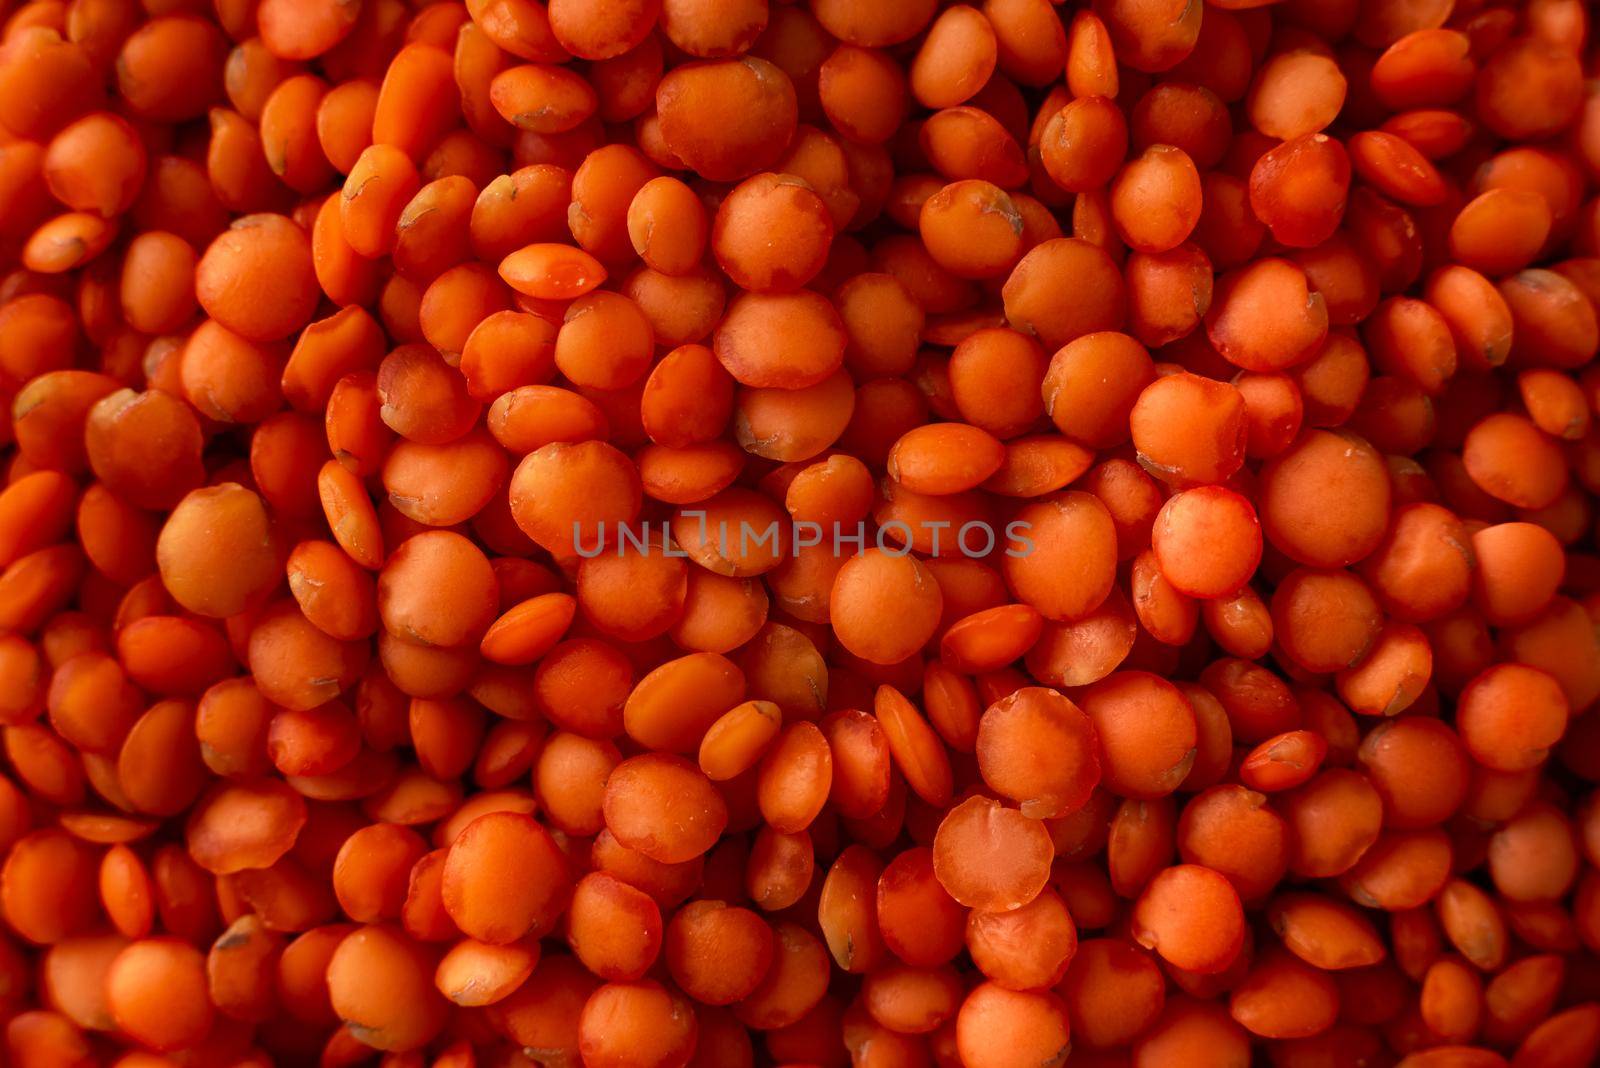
799	533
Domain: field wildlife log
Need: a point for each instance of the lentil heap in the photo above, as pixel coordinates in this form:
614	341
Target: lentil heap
873	533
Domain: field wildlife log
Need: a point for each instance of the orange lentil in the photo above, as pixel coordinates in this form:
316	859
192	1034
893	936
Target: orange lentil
156	990
374	1011
679	815
991	857
718	953
1035	305
1190	886
481	903
258	247
886	604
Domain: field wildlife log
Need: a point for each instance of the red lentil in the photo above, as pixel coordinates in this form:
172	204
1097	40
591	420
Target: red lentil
667	533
